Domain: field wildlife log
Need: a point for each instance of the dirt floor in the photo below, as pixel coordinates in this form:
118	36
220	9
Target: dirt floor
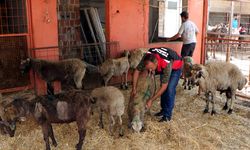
189	129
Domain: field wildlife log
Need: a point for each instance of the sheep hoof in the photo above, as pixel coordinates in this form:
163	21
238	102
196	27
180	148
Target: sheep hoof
225	107
54	144
205	111
121	134
213	113
230	111
78	147
101	125
143	129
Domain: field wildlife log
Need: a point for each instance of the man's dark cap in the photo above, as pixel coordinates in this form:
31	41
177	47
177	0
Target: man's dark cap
184	14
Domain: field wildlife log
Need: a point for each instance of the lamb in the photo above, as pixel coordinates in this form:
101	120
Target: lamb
136	108
187	67
115	67
67	107
8	118
136	56
68	69
218	76
111	100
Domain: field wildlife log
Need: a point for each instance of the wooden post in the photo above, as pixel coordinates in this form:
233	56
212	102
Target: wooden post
230	32
249	75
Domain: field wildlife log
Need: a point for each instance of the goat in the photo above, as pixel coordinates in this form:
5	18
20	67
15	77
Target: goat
68	69
111	100
67	107
187	67
218	76
136	108
115	67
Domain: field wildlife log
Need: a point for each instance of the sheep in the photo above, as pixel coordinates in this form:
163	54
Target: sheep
218	76
111	100
187	67
70	69
67	107
135	57
136	108
115	67
7	126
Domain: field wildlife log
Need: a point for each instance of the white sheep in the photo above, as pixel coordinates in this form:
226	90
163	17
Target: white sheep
135	57
115	67
136	108
111	100
218	76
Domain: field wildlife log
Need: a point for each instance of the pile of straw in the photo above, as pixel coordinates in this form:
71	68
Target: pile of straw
189	129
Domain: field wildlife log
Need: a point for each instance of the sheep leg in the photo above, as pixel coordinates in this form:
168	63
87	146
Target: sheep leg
230	111
50	89
226	105
111	125
142	120
45	129
78	79
101	120
51	134
107	78
126	80
213	103
207	104
122	85
81	131
121	132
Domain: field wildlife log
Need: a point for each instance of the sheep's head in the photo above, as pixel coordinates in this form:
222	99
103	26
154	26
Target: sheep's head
8	127
196	74
8	120
25	65
136	124
242	83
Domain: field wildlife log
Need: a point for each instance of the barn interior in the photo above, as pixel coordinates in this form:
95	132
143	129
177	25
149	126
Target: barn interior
96	30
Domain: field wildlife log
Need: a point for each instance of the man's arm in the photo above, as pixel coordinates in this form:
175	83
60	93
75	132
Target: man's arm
166	76
176	36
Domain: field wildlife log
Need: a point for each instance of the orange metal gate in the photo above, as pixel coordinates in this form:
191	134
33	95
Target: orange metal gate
14	43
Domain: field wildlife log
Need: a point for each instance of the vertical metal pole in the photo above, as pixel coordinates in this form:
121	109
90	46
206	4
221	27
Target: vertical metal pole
230	32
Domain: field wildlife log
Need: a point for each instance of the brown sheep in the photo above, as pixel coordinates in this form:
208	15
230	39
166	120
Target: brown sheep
65	108
218	76
68	69
136	107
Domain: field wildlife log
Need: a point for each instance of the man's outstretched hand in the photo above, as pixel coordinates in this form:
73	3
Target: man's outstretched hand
149	103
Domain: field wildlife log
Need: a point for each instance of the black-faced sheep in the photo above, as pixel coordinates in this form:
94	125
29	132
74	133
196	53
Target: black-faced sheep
218	76
111	100
67	107
68	69
187	67
137	103
115	67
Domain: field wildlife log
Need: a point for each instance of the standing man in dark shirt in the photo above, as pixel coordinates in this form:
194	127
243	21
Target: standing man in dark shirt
168	64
